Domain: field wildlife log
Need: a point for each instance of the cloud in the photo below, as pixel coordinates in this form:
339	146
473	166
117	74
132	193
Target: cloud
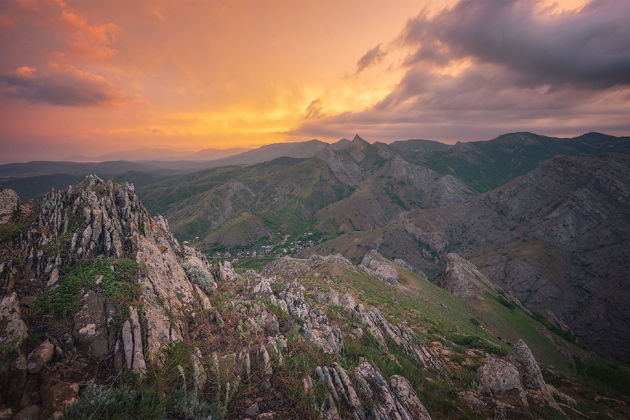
483	67
584	48
69	87
314	110
87	40
371	57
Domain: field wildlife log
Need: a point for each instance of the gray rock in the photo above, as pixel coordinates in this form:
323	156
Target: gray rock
14	329
39	357
500	381
378	398
463	279
132	343
226	271
531	375
9	204
252	410
375	264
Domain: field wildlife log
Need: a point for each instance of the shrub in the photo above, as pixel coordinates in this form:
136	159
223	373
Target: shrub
198	276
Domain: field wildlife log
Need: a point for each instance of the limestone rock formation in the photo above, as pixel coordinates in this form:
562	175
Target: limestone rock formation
531	376
375	264
377	399
500	380
97	227
463	279
9	204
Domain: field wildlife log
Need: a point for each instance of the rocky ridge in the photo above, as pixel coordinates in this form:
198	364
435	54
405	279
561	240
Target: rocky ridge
91	233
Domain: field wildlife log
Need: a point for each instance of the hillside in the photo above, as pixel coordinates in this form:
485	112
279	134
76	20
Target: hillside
557	238
347	186
485	165
105	315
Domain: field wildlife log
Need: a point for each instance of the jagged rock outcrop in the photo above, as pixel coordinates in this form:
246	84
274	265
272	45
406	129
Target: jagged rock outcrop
500	381
96	221
13	327
510	387
365	394
375	264
369	320
9	204
463	279
531	375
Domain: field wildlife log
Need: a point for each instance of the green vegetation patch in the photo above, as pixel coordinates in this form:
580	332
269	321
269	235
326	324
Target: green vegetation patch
117	283
10	230
166	392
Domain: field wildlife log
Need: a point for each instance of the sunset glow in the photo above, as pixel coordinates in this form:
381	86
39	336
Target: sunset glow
89	77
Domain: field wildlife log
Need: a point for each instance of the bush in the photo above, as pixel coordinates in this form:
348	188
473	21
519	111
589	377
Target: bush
9	230
101	402
198	276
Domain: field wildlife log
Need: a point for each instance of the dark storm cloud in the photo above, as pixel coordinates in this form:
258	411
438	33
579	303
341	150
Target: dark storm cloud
585	48
371	57
525	69
66	88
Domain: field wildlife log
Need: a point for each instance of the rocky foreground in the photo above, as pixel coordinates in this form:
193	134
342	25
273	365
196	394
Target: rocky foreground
103	314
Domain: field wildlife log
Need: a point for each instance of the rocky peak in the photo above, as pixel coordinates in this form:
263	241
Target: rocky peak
358	140
112	279
463	279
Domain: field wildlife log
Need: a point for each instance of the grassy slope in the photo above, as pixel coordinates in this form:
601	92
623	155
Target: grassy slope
436	314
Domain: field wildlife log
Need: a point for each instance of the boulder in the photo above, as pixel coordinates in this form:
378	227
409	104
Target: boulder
12	327
38	358
375	264
523	359
500	381
531	375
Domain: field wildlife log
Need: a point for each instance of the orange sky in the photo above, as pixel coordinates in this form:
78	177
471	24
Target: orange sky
93	76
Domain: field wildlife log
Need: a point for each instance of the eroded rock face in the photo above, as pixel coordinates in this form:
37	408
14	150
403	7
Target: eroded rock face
14	329
501	381
90	222
377	398
463	279
375	264
9	204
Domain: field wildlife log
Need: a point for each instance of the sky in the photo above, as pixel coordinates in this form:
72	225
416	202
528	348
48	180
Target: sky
90	77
